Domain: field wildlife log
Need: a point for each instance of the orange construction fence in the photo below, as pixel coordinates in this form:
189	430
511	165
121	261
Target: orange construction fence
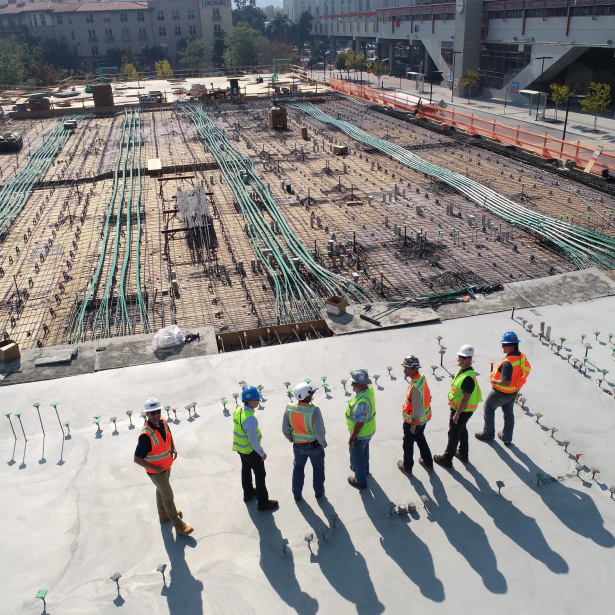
544	145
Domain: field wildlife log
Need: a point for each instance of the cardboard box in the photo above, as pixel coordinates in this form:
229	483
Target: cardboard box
340	150
278	117
336	305
9	351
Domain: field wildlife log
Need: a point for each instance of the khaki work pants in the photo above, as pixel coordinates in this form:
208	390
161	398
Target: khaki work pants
164	496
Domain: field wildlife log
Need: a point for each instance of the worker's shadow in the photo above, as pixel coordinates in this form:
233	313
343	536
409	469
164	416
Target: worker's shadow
398	540
184	592
337	556
574	508
465	535
278	565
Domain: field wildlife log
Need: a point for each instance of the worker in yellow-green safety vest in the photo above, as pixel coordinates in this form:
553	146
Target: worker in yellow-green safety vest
361	422
416	411
303	426
247	442
463	398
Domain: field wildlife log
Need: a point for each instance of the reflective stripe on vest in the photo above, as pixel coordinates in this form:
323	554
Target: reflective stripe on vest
369	426
521	369
241	442
455	394
301	420
419	382
160	455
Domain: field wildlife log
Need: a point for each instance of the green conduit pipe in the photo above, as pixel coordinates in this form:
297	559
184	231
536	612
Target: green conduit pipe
295	299
585	248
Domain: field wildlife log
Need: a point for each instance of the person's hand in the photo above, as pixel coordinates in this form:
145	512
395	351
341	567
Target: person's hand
174	454
159	469
351	442
455	418
324	445
413	429
263	457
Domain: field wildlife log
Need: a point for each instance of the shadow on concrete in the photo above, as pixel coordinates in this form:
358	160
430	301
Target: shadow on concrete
575	509
278	566
184	592
521	529
399	541
466	536
341	564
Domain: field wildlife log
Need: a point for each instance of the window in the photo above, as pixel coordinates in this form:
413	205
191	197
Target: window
94	49
75	50
499	63
217	30
140	16
70	20
62	37
43	22
142	32
513	14
581	10
190	14
162	31
108	32
124	17
89	18
178	30
175	15
125	32
192	31
59	20
92	35
106	18
216	15
160	16
72	35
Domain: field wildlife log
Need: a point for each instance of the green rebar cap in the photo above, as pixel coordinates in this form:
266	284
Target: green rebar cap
42	593
17	414
8	415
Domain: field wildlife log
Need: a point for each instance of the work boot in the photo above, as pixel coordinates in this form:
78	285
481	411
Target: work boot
428	468
459	456
318	495
400	465
184	529
442	461
164	517
247	498
501	437
269	505
479	435
298	498
353	482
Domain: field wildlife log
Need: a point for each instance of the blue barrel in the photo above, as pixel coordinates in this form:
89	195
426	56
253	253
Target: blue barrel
21	107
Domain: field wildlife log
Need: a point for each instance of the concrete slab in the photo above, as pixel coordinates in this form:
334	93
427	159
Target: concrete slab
80	510
351	322
565	287
500	301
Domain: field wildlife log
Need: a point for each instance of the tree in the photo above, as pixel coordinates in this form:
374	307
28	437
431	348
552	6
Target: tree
317	52
128	73
598	100
52	51
248	12
218	52
243	46
340	60
271	11
470	80
130	57
559	95
154	54
196	54
380	70
163	70
277	49
279	29
302	30
114	56
354	61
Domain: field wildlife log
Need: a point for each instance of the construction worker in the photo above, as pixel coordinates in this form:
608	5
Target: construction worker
361	422
416	411
463	398
247	442
303	426
156	452
506	379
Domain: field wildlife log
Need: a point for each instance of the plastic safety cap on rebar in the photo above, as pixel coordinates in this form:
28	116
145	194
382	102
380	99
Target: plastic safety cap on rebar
296	298
584	247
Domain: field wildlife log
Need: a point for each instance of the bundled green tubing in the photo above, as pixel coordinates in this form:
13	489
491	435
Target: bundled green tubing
585	248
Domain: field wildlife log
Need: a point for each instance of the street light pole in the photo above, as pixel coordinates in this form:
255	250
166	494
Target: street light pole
566	118
543	58
453	80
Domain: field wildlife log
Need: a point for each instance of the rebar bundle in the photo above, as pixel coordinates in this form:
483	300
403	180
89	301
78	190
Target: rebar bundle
193	208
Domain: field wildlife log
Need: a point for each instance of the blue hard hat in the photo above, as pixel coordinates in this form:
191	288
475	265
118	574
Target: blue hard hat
509	338
250	394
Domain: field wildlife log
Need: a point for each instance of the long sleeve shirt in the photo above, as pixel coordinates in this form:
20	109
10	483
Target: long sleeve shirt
319	427
250	425
417	404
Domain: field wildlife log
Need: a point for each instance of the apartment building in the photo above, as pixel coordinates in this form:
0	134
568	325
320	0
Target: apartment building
91	28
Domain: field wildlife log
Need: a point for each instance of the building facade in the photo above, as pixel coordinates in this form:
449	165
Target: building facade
90	29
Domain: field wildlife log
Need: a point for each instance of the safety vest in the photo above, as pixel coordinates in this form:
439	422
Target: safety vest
241	442
160	455
367	396
301	420
521	369
418	382
455	394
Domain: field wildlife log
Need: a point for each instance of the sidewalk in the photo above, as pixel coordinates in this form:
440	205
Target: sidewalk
579	126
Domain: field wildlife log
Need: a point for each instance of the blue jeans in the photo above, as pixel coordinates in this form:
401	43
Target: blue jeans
359	461
506	401
316	454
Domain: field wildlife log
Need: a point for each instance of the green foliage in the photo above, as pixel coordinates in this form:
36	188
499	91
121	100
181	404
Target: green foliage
163	70
196	54
302	30
598	99
380	70
471	79
12	62
128	73
130	57
154	54
279	29
340	60
243	46
219	47
559	95
271	11
317	51
251	15
114	56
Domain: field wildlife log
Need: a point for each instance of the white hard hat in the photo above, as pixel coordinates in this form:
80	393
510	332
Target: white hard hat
303	390
466	351
152	404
